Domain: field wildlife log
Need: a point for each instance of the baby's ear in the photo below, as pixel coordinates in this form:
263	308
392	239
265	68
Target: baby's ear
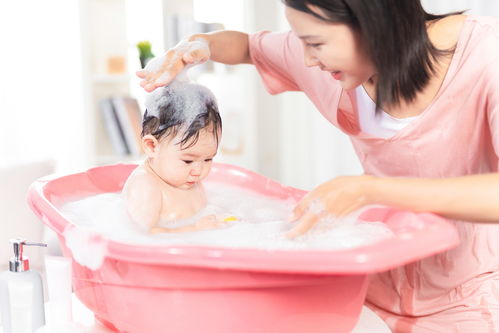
150	145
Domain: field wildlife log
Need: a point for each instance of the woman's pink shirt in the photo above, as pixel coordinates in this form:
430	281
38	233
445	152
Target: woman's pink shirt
456	135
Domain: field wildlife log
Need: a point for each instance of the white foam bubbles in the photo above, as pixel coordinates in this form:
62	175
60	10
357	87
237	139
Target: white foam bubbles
88	247
158	64
187	99
262	223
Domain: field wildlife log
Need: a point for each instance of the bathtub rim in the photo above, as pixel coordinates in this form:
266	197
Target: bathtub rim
371	258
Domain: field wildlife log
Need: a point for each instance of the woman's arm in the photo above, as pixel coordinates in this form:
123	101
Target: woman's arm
226	46
470	198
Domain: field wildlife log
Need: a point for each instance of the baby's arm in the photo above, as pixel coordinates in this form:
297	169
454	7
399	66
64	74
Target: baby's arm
143	200
204	223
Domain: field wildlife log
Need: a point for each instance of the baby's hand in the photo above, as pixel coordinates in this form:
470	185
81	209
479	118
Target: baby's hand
209	222
160	71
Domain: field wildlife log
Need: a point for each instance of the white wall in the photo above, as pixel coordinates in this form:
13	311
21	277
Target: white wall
40	82
41	117
475	7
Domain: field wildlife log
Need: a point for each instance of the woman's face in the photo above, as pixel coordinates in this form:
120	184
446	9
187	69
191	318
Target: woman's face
333	47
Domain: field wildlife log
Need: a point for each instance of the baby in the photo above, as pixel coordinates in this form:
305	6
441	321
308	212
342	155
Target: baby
181	130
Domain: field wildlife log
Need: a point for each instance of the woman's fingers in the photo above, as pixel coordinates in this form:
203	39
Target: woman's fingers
298	211
306	223
188	58
160	71
301	208
336	198
347	210
157	72
164	79
141	74
149	87
149	78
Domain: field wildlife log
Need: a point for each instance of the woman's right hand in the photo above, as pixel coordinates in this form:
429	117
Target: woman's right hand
160	71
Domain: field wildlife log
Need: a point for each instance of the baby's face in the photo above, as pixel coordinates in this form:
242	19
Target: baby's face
184	168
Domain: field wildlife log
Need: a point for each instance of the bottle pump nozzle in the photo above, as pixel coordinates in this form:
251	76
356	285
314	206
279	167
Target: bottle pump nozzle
19	263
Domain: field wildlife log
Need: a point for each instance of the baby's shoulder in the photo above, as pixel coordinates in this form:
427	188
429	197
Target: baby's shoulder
141	181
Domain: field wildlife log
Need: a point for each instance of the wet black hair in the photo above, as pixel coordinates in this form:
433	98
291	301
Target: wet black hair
395	37
172	120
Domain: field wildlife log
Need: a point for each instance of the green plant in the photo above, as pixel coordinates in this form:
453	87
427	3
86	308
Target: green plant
145	53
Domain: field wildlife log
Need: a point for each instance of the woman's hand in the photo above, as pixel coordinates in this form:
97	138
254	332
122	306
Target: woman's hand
160	71
337	197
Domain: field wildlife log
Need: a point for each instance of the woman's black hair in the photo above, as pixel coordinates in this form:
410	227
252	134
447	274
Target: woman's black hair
172	120
395	38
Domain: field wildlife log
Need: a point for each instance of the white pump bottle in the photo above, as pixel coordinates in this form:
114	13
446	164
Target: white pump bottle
21	293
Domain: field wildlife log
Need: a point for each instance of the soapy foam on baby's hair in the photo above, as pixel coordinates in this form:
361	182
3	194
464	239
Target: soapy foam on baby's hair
262	224
189	99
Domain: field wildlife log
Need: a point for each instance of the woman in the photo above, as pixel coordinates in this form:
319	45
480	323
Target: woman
418	94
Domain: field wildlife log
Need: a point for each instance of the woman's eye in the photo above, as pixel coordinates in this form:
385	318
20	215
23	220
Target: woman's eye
208	160
187	161
314	45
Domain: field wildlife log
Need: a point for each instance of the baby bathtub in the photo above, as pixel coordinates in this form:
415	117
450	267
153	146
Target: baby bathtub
156	289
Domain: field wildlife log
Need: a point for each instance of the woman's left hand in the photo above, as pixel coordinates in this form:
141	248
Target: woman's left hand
337	198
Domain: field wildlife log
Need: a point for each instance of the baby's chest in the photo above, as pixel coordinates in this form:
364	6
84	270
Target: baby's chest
181	205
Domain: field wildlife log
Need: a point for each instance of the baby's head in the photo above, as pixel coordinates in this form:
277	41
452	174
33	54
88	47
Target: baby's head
181	130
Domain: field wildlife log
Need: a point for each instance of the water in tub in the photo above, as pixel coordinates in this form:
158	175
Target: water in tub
261	223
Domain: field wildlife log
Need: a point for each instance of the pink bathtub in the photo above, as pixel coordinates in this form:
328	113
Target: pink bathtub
156	289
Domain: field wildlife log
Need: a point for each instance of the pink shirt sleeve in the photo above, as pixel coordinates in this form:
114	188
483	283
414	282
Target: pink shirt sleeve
272	54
